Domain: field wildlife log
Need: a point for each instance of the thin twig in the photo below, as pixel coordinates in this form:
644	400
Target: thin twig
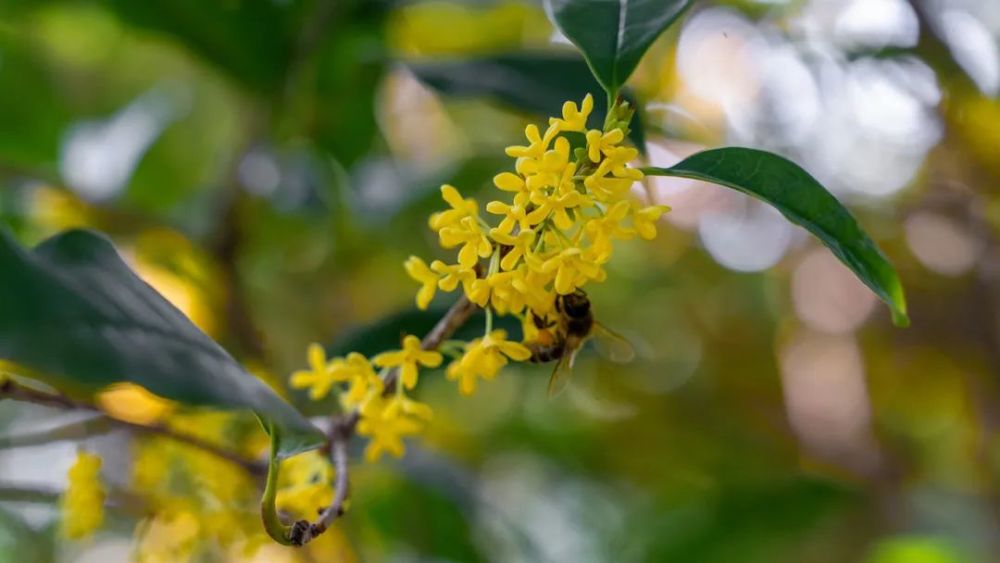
343	426
74	430
115	499
13	390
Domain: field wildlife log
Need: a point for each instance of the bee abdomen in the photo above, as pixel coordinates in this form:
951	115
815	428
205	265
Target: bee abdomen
542	353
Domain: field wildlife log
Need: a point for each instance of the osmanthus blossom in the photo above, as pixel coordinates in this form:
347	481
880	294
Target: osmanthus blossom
558	214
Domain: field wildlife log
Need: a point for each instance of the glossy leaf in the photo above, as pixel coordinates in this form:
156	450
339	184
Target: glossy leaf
534	82
789	188
614	34
72	310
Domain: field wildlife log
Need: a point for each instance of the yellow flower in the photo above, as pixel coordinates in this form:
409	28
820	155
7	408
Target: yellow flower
484	358
572	268
599	143
504	297
452	275
479	291
557	206
83	502
470	237
574	119
519	244
358	371
168	536
547	171
510	182
607	188
537	144
460	208
304	484
618	160
514	215
320	376
388	421
407	360
612	179
418	270
602	230
645	220
520	288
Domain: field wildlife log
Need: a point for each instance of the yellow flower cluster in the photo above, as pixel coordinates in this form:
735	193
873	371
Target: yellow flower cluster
386	420
196	500
305	484
557	231
554	234
323	374
83	502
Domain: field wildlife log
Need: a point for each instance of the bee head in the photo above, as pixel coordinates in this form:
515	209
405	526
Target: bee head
575	305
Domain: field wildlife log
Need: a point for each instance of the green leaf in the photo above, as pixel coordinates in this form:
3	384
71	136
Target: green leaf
73	311
251	40
534	82
613	34
805	202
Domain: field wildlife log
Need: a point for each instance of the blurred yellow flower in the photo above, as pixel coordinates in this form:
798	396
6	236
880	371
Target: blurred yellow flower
645	220
357	370
418	270
304	484
388	421
83	502
133	403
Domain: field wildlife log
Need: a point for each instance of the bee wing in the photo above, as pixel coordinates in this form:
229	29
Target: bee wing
561	373
611	345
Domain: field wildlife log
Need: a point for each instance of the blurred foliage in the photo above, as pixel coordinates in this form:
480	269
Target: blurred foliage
286	169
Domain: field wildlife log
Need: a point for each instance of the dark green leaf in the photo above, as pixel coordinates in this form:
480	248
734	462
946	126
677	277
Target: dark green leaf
805	202
251	40
614	34
72	310
535	82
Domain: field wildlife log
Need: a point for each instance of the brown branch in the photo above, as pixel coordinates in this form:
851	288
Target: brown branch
342	427
18	392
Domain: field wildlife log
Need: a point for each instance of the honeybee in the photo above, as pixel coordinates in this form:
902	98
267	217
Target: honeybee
562	339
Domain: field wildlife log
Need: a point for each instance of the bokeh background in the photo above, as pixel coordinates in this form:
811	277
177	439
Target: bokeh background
269	164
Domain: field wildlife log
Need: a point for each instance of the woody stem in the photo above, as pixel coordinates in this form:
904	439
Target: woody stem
343	425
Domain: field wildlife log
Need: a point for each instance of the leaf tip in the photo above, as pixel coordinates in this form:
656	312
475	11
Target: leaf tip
899	317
